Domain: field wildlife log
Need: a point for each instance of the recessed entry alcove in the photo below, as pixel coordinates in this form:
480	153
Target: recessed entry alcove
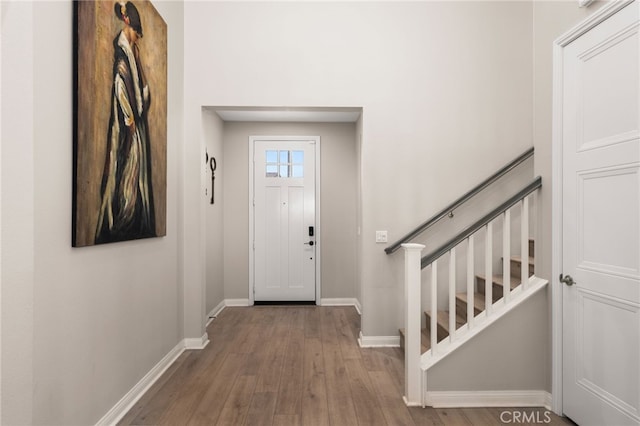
227	135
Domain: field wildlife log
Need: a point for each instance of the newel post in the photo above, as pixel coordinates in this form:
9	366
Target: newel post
412	337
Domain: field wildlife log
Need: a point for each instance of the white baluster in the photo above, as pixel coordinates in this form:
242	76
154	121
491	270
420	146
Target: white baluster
524	270
412	336
506	256
488	269
470	282
452	294
434	308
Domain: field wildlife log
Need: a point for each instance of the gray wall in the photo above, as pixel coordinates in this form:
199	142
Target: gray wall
80	326
445	87
212	135
338	195
497	359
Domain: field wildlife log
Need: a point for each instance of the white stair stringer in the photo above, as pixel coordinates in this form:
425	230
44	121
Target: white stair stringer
480	323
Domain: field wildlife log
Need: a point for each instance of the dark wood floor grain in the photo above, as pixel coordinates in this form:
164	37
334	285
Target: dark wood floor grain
295	365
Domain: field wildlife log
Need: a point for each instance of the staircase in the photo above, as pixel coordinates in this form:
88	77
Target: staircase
472	311
479	301
466	314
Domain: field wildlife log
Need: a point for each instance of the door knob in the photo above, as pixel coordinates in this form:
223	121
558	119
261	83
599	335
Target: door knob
310	243
568	280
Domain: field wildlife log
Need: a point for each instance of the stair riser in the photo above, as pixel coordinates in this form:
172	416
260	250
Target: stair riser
461	309
441	331
496	291
516	269
424	340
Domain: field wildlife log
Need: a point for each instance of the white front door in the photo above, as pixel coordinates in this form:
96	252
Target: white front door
601	223
285	231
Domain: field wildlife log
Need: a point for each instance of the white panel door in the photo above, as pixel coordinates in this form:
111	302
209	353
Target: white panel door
601	223
284	221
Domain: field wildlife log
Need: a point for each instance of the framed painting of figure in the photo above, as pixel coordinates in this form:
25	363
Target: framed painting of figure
120	122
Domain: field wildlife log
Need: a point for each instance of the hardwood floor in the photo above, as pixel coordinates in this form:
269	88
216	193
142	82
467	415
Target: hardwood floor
295	365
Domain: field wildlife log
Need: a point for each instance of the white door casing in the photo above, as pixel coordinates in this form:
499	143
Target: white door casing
598	140
284	212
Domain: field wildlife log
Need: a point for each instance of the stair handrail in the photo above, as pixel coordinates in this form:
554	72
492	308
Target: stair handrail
464	234
460	201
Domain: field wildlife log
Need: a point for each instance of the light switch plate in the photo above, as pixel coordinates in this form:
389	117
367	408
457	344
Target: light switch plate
381	236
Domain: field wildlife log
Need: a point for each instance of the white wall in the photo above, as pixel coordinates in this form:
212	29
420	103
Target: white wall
80	326
338	195
444	86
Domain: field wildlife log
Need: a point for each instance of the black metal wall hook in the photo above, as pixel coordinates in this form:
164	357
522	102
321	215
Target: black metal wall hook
214	165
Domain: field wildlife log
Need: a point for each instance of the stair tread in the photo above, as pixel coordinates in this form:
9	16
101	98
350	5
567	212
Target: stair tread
478	300
518	258
425	340
498	279
443	319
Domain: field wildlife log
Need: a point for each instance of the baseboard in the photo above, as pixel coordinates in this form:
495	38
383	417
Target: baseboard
454	399
196	343
341	301
548	404
236	302
378	341
215	312
123	406
411	404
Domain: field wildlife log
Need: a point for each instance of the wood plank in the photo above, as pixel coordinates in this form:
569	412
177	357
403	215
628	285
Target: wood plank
339	399
312	324
391	403
365	400
453	417
427	417
327	328
218	388
263	332
315	408
479	416
192	389
291	378
375	359
286	420
273	361
235	409
262	409
396	368
149	408
346	339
